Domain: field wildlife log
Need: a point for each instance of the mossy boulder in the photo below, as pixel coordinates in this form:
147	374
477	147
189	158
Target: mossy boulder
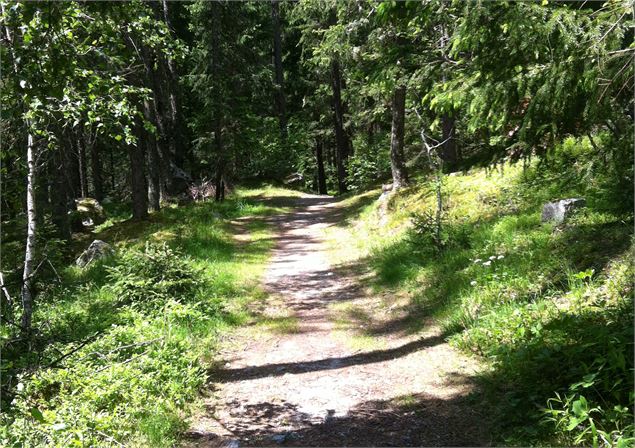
90	212
558	211
96	251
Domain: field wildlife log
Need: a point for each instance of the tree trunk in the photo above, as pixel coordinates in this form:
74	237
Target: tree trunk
154	180
320	166
220	190
220	164
149	142
278	70
341	138
73	177
163	144
439	210
96	171
42	202
179	144
397	160
83	168
160	120
218	109
448	151
59	197
29	252
26	293
138	181
113	183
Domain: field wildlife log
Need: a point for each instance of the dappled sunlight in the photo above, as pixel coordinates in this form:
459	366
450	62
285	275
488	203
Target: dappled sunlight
313	357
501	287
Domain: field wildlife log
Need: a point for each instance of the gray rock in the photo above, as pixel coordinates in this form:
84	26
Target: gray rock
294	179
180	180
279	438
179	173
96	251
90	211
558	211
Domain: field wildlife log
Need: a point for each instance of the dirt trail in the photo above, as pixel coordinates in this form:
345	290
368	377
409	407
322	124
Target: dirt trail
310	388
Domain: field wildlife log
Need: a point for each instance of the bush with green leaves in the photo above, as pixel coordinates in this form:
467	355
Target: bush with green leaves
549	309
99	395
153	276
140	328
597	409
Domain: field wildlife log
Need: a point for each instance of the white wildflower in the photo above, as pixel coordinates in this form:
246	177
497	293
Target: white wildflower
478	260
500	257
473	283
487	263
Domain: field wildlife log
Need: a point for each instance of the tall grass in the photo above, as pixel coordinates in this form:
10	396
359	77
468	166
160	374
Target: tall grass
123	345
549	308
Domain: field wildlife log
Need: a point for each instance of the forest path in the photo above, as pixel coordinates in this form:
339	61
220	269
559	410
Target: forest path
299	382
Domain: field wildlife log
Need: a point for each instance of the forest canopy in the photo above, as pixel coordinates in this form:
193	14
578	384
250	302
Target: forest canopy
145	105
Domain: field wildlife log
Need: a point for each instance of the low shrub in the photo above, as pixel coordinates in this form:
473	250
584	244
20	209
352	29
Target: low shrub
122	346
153	276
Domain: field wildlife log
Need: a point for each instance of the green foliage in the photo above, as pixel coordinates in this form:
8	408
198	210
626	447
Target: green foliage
545	82
124	344
99	395
548	308
363	172
424	230
153	277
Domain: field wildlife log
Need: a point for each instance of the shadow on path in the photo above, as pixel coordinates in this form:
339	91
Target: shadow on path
410	420
311	388
272	370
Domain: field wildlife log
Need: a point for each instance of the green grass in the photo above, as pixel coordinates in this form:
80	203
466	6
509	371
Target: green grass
545	306
139	329
280	325
352	326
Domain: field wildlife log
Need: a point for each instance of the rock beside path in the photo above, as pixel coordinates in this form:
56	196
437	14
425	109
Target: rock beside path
558	211
97	250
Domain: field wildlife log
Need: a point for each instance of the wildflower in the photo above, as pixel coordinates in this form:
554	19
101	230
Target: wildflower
487	263
478	260
493	257
473	283
500	257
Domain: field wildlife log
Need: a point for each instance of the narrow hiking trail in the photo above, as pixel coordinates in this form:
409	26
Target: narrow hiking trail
307	386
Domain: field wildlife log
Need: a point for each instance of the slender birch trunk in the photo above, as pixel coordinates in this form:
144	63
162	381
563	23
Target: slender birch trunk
29	253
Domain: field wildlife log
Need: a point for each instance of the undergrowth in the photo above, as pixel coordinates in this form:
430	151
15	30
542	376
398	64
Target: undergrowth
122	347
548	307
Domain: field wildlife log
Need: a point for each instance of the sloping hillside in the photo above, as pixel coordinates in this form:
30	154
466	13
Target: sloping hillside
548	307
